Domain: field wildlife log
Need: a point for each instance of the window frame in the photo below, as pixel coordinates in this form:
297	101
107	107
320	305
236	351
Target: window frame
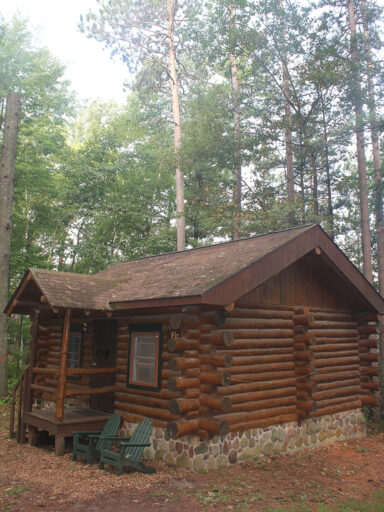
155	329
77	330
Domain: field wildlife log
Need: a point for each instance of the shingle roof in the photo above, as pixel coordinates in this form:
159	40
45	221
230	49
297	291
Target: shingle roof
179	274
217	273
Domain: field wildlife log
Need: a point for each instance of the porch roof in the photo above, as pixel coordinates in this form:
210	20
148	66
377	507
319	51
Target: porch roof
217	274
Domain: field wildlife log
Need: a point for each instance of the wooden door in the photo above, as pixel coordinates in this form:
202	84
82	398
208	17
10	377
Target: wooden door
103	356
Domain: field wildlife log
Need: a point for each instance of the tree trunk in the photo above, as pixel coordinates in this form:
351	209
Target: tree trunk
360	145
288	130
327	168
7	172
180	221
237	167
375	150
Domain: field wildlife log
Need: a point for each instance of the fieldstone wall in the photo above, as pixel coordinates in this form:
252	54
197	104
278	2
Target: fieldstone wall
201	455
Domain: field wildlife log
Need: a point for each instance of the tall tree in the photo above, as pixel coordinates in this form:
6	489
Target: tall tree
374	129
144	33
360	142
7	172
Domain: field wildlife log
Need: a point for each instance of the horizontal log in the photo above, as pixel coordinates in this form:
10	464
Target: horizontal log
253	352
91	391
304	319
215	425
182	427
330	376
334	324
191	373
149	401
304	356
266	394
191	415
224	360
335	333
182	405
251	360
183	321
148	412
255	377
258	368
368	343
223	404
335	341
329	402
336	316
249	387
218	338
257	323
255	405
191	392
338	354
333	393
176	383
307	339
369	370
336	361
370	357
309	387
180	344
306	406
262	343
265	422
373	386
367	329
322	386
334	347
262	333
237	417
137	418
216	378
90	371
369	400
181	363
333	409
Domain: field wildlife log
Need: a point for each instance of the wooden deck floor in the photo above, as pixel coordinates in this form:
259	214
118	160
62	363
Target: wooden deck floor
74	419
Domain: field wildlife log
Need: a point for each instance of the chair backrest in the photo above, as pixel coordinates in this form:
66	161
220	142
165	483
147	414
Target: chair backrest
141	434
110	429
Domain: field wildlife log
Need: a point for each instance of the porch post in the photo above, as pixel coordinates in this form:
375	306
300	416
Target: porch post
27	399
63	366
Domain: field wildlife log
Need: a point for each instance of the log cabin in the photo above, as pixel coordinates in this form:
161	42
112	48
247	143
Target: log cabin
241	349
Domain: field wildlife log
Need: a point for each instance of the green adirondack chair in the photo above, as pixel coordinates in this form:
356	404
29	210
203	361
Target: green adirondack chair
131	450
89	443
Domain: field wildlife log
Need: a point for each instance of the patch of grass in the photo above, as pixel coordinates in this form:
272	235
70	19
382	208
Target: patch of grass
261	464
16	490
374	505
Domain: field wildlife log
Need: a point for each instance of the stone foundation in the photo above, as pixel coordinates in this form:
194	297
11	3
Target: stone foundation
201	455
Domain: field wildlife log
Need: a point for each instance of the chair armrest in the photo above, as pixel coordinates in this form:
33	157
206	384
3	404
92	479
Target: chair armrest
112	438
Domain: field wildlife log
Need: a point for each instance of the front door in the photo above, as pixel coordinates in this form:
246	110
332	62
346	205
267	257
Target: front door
103	356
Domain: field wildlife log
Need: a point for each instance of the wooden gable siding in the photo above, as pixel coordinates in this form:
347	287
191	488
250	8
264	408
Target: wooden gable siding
306	282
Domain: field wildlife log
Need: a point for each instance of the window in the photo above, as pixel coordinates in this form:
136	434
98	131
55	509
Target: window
75	345
144	356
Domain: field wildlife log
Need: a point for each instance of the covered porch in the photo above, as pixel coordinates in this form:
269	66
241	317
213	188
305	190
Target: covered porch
58	392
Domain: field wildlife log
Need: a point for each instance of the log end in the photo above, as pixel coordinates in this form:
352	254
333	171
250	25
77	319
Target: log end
172	430
176	321
226	404
172	384
172	346
227	338
174	407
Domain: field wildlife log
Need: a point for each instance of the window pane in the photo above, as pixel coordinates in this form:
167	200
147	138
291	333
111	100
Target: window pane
144	354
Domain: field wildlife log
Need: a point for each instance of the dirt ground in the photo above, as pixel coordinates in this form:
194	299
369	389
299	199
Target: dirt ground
34	479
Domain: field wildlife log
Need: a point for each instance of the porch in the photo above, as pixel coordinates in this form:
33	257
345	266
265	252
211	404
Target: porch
59	384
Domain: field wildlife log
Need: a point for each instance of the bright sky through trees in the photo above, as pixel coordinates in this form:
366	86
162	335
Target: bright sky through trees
89	68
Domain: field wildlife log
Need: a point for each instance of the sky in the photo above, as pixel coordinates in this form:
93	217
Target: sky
89	68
